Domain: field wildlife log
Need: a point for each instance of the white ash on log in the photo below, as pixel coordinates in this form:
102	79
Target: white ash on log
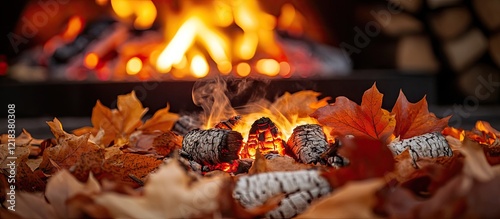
427	145
265	135
212	146
228	124
300	189
308	143
187	123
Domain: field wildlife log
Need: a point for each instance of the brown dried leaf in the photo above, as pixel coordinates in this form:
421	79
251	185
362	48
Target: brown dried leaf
169	193
167	142
69	149
162	120
353	200
281	163
119	167
62	186
28	181
33	205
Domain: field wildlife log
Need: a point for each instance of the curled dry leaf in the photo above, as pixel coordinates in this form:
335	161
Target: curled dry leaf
277	163
68	150
169	193
60	188
353	200
121	167
117	123
367	120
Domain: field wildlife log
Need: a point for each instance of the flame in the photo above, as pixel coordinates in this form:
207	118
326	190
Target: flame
73	28
268	67
143	12
483	133
199	66
226	167
134	66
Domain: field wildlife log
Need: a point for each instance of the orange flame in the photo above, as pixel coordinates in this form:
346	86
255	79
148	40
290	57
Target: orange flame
74	27
142	12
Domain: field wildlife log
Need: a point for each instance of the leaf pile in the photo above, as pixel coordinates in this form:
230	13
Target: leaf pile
122	167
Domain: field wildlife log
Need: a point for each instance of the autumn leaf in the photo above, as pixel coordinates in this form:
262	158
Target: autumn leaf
414	119
368	158
169	193
121	166
68	150
299	104
354	200
345	117
162	120
131	111
278	163
60	188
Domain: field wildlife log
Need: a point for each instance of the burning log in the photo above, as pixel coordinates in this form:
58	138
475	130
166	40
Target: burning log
228	124
308	143
186	123
265	135
300	188
212	146
426	145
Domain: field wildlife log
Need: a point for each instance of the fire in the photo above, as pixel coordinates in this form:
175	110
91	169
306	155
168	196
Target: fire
142	12
205	35
484	134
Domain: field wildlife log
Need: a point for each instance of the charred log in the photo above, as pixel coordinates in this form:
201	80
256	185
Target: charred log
332	157
427	145
228	124
308	143
265	136
212	146
187	123
300	189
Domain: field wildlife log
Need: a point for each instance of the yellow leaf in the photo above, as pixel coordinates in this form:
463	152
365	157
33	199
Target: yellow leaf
131	110
162	120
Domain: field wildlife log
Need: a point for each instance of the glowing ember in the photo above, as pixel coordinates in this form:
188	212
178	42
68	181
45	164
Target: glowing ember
91	60
265	136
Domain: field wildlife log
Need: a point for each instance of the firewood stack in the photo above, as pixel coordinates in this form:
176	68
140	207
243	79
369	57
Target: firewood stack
460	39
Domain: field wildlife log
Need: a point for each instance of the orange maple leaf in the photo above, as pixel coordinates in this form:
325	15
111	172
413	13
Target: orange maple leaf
367	120
414	119
162	120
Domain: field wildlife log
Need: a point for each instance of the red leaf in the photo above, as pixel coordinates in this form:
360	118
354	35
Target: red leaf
414	119
367	120
368	158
